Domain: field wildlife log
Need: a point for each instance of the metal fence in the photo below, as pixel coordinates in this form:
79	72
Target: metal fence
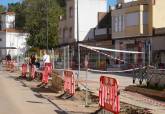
149	76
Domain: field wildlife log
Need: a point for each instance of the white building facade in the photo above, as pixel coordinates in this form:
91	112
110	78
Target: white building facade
7	20
12	41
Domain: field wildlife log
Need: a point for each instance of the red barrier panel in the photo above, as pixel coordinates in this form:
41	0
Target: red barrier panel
108	94
69	82
45	75
32	72
7	65
50	67
24	70
12	65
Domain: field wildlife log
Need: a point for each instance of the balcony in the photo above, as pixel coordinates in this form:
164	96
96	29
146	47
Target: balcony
159	31
98	34
102	33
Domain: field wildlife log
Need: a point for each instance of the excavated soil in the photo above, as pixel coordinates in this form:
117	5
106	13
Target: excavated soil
158	94
55	93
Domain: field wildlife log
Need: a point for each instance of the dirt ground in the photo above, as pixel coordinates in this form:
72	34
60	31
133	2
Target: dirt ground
76	104
155	93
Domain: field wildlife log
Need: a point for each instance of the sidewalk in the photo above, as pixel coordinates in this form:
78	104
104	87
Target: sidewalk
74	106
16	98
62	106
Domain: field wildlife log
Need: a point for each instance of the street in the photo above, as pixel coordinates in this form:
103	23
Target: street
15	98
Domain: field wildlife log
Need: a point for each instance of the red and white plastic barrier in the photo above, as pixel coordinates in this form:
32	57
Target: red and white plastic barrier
24	70
109	94
7	65
69	82
12	65
50	67
45	75
33	71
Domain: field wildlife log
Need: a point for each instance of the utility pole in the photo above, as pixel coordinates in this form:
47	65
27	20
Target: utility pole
78	40
47	26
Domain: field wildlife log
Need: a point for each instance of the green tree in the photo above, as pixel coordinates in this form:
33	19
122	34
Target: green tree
2	8
62	3
36	12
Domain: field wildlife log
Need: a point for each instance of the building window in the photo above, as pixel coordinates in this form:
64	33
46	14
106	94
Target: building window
120	23
123	23
70	32
145	18
71	12
113	24
116	23
132	19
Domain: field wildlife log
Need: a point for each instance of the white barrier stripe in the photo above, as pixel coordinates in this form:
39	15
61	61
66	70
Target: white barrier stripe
160	69
155	68
109	56
120	71
111	50
64	69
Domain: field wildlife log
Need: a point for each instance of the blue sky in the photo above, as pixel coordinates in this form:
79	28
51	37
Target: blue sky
5	2
111	2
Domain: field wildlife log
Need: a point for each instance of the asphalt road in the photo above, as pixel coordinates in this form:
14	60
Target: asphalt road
15	98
